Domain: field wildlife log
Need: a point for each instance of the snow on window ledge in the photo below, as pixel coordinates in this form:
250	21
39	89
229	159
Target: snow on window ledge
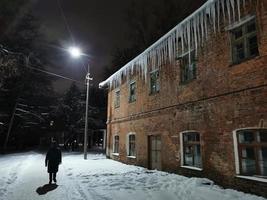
193	168
115	154
253	178
134	157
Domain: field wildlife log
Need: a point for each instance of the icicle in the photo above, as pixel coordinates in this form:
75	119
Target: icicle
238	9
202	27
213	17
233	8
218	14
244	4
189	42
223	9
195	35
228	11
182	40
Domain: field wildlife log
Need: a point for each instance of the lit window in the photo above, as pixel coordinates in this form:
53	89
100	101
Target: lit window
252	152
131	150
244	42
132	92
116	144
154	82
191	149
117	99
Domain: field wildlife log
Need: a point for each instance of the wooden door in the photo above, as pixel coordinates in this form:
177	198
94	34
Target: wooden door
154	152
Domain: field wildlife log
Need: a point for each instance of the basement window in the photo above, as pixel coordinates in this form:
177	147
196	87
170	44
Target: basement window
244	42
191	150
251	152
117	98
154	82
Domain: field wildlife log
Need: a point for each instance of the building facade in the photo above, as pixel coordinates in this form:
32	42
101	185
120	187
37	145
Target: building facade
195	102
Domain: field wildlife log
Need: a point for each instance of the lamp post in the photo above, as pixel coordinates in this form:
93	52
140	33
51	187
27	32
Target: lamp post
76	53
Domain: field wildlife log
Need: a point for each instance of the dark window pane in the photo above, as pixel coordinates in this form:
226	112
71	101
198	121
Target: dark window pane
248	167
132	92
197	156
154	82
246	137
239	51
188	67
251	27
263	161
248	152
237	33
253	46
188	156
263	135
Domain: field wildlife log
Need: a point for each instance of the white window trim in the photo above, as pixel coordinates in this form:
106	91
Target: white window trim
182	151
128	146
240	23
113	149
237	162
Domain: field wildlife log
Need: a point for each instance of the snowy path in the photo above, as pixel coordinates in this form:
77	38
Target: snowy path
101	179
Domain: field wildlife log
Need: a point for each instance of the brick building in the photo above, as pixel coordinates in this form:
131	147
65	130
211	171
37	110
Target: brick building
195	102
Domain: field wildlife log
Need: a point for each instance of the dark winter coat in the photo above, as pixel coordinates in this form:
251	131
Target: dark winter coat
53	159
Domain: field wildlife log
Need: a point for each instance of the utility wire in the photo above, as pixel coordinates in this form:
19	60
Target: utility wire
53	74
38	69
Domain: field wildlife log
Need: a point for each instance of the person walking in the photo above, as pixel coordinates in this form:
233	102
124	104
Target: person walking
52	161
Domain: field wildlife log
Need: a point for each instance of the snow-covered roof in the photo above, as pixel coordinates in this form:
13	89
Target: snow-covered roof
192	32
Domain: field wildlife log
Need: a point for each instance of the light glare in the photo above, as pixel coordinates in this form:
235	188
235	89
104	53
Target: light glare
75	52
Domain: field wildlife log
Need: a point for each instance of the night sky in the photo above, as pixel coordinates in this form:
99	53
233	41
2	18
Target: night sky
97	26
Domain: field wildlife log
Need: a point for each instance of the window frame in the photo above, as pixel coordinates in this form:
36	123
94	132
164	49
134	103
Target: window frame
184	68
114	152
238	156
151	92
129	155
182	151
117	100
129	88
243	39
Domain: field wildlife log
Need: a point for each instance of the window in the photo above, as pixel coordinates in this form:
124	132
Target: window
191	149
116	144
244	42
131	147
188	66
154	82
132	92
117	98
251	150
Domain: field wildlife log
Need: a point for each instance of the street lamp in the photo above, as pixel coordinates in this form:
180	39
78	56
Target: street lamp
75	52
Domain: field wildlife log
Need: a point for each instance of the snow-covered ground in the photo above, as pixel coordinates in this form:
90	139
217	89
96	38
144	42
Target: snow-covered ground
23	176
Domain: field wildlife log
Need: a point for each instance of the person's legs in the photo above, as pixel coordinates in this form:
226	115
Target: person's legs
50	178
54	177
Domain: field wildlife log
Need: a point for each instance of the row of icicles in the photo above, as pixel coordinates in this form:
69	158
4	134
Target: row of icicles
190	34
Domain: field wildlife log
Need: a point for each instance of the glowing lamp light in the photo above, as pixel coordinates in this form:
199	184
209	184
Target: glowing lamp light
75	52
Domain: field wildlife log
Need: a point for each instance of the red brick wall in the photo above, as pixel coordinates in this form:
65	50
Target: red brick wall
223	98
